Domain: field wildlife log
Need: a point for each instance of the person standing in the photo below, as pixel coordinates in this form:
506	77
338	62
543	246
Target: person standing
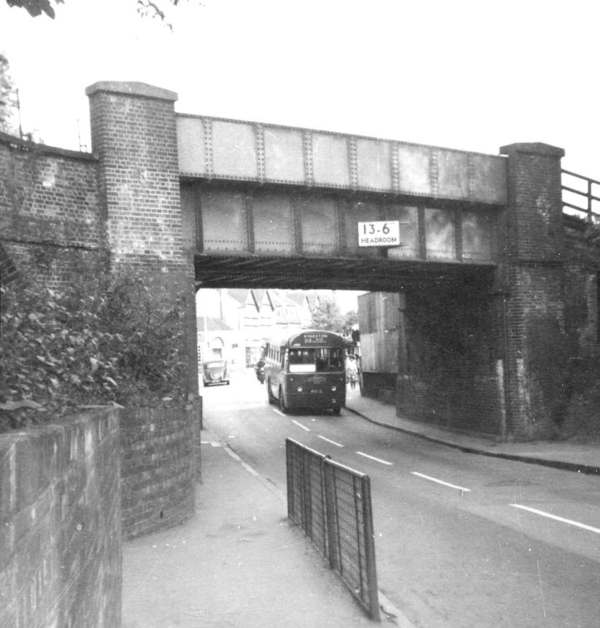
351	371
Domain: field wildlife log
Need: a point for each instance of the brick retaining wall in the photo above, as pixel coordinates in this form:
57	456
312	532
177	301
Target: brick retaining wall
60	524
160	463
52	221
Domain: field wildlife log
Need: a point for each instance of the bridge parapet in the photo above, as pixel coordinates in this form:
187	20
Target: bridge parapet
219	148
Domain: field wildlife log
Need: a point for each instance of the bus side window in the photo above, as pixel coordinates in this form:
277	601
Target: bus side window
337	360
285	360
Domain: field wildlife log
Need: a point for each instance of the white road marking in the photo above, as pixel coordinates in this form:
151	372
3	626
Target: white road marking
428	477
329	440
306	429
212	443
583	526
360	453
279	412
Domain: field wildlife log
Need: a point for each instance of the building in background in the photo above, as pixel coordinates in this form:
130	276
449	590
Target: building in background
216	340
233	324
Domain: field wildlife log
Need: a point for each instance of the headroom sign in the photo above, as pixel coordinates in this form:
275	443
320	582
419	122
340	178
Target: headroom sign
379	233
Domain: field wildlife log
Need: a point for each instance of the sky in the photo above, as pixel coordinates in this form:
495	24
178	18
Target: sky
468	74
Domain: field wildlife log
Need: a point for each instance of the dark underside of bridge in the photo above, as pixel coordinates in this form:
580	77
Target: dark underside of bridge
336	273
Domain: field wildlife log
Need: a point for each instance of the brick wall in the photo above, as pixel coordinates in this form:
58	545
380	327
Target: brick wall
52	220
134	137
537	350
160	458
582	279
532	278
452	352
534	216
63	213
60	524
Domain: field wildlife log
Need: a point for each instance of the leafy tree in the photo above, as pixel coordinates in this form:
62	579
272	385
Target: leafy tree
326	315
8	103
151	8
35	7
350	319
110	339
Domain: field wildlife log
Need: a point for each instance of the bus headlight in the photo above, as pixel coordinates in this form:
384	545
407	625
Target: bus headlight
333	388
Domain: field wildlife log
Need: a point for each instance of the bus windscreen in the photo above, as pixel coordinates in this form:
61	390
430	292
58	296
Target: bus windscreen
317	360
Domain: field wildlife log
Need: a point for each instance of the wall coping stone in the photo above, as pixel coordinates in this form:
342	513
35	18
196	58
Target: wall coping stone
532	148
132	88
43	149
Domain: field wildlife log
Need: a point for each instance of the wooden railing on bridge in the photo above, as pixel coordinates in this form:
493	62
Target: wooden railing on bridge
581	196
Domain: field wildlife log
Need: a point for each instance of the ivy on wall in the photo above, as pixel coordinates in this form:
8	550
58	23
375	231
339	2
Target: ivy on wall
110	339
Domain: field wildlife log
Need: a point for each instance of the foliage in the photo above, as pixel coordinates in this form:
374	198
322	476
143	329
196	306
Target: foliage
35	7
109	340
592	234
8	104
150	8
582	388
350	320
326	315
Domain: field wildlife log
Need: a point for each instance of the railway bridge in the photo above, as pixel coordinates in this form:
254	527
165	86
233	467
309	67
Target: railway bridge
479	247
497	294
479	256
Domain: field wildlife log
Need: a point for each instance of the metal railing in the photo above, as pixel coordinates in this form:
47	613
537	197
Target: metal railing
582	197
332	504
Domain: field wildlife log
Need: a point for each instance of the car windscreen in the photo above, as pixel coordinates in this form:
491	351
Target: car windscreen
315	360
214	365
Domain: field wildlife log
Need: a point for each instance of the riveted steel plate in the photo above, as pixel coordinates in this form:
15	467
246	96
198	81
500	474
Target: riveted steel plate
273	223
237	150
224	221
330	160
414	169
234	149
452	174
319	226
374	165
284	157
488	179
191	145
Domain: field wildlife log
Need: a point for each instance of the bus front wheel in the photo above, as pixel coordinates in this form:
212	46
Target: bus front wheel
282	405
269	393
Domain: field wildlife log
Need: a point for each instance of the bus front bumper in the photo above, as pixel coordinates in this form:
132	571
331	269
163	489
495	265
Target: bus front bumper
315	400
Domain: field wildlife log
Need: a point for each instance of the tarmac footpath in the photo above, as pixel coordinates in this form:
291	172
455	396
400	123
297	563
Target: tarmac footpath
237	563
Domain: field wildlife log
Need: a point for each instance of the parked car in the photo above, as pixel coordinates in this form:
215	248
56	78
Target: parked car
215	372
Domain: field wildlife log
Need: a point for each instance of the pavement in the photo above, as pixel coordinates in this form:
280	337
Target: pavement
578	457
239	563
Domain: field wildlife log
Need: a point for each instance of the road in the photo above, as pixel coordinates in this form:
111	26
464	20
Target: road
461	540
